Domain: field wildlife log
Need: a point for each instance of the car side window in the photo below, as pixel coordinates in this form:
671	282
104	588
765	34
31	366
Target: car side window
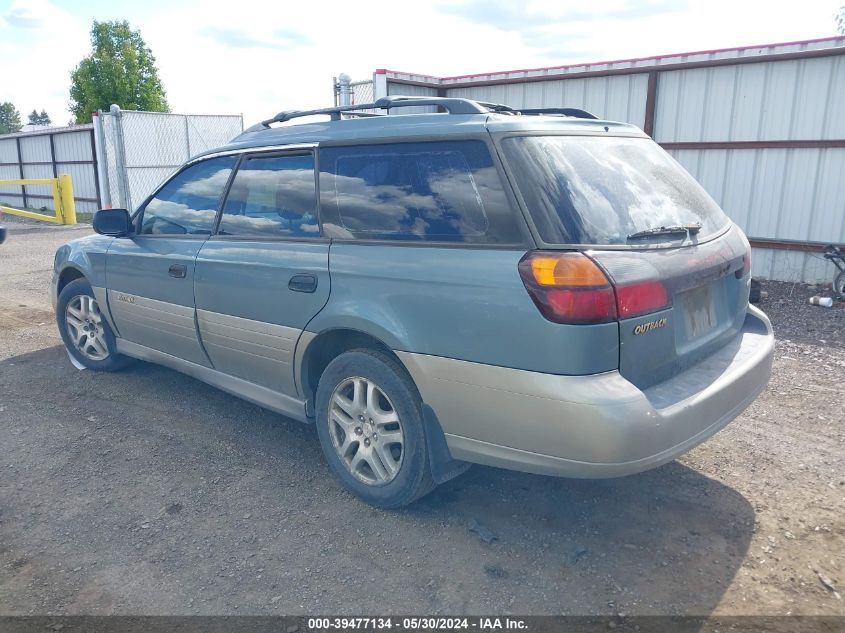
187	204
447	191
272	196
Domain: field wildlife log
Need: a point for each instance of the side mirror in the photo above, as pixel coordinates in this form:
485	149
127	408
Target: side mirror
113	222
2	234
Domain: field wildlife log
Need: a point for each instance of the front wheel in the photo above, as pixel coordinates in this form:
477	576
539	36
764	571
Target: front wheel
369	421
84	330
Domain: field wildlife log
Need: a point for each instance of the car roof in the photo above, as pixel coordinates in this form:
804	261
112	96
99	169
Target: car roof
411	127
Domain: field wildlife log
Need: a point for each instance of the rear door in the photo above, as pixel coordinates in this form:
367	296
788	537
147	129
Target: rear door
150	275
265	273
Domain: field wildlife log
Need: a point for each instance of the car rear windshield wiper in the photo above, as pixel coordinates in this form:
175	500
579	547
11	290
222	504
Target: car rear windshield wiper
690	229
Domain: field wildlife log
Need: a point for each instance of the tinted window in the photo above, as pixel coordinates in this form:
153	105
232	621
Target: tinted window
589	190
187	204
445	192
273	196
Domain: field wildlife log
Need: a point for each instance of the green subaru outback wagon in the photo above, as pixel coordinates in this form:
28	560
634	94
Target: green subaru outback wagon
530	289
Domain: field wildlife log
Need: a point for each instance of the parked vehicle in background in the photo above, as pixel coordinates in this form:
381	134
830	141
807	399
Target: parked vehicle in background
536	290
2	233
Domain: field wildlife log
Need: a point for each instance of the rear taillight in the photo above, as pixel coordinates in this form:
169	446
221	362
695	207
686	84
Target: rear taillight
572	288
641	298
568	287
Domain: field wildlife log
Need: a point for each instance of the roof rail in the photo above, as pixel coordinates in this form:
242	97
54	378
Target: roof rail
452	105
573	112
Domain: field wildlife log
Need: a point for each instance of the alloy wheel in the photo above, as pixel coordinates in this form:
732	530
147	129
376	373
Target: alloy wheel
366	431
85	326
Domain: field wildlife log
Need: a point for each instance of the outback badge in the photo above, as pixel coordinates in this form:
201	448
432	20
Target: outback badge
642	328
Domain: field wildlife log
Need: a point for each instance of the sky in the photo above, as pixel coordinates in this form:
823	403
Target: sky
257	58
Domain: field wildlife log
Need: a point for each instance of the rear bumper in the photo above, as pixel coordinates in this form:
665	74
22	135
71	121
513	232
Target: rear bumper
591	426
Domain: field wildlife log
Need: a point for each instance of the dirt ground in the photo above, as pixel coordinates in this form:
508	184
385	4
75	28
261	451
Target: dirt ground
147	492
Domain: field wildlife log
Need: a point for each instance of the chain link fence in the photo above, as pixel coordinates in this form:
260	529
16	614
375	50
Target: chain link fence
362	92
352	92
138	150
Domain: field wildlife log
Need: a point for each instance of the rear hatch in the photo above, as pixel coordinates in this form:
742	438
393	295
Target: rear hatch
706	300
678	267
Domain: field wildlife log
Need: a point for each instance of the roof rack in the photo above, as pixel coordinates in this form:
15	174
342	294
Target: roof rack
578	113
504	109
452	105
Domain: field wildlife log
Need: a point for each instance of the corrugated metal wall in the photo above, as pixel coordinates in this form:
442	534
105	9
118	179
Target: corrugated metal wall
769	101
791	193
765	138
413	91
29	155
618	97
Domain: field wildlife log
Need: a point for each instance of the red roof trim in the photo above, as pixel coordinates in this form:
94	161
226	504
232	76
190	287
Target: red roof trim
624	61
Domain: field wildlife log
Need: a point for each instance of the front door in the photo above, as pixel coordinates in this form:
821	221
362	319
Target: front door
265	274
150	276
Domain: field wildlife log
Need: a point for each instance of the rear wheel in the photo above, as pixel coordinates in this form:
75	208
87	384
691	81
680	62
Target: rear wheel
84	330
369	420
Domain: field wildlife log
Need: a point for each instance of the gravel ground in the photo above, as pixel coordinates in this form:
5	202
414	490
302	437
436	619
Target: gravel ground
147	492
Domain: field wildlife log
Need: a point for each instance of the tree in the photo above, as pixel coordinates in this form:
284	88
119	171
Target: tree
840	21
10	118
120	69
39	119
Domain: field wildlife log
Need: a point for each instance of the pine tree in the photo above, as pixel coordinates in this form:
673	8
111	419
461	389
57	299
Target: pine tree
10	118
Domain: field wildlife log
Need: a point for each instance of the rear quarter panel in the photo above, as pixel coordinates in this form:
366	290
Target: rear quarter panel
463	303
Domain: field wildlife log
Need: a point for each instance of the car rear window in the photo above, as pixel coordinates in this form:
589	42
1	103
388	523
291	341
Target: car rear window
434	191
598	190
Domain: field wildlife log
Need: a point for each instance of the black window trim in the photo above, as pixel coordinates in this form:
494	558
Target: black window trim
526	234
259	152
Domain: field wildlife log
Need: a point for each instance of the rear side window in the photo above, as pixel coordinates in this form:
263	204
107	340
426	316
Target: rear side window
187	204
593	190
273	196
437	191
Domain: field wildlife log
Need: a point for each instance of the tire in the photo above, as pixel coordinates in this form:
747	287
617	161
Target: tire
839	285
386	474
754	292
97	352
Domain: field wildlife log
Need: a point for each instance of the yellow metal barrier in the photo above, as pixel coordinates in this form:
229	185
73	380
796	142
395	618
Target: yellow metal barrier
62	200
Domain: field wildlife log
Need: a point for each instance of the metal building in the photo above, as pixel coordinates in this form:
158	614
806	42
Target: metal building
761	127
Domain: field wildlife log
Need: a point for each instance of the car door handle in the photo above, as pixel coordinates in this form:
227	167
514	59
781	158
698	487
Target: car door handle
303	283
178	270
